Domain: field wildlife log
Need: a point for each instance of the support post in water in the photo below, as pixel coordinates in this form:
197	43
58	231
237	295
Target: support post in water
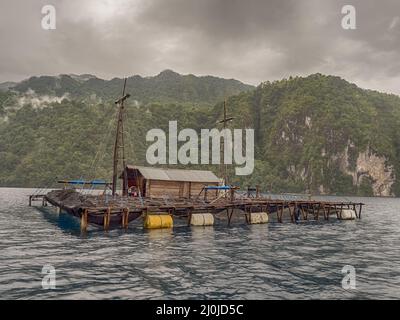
107	218
292	213
125	218
319	208
84	221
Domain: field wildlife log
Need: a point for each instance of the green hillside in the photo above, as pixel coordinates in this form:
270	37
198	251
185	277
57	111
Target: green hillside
324	135
317	134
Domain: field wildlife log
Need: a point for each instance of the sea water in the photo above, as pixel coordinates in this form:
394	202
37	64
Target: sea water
271	261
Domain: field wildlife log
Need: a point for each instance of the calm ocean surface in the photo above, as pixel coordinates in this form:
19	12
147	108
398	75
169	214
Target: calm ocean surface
273	261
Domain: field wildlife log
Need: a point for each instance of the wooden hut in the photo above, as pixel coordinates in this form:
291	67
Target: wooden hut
177	183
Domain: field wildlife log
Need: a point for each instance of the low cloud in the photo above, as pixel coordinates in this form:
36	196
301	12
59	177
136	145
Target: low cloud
39	101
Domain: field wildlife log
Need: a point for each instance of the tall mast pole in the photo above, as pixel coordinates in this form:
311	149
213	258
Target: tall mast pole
224	168
223	165
119	145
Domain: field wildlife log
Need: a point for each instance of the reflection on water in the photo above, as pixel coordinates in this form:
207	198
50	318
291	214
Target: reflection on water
289	261
62	220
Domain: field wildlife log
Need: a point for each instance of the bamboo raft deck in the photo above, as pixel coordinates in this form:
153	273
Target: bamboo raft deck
108	211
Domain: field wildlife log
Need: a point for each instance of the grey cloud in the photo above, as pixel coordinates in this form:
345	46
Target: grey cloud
252	41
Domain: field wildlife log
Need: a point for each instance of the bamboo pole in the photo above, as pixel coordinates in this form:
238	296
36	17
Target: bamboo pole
84	218
107	218
125	218
291	213
319	208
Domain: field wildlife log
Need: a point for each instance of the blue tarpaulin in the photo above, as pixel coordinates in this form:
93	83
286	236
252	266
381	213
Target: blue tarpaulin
79	181
218	187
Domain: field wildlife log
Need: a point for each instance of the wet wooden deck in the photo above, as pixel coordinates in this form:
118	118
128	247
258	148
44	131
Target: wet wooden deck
107	211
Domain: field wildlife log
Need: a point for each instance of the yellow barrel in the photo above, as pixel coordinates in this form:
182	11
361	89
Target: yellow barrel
158	221
202	219
347	214
258	217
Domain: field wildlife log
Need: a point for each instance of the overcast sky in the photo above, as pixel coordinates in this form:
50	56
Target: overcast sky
252	40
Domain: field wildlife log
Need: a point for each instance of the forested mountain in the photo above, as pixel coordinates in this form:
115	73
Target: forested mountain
323	134
316	134
166	87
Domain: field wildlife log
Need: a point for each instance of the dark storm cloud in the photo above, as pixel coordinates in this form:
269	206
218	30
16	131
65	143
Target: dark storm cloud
252	41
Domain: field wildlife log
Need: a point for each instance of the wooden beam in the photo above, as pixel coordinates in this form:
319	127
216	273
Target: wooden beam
84	220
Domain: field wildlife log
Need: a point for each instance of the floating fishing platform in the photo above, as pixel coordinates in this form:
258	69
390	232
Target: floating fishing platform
118	211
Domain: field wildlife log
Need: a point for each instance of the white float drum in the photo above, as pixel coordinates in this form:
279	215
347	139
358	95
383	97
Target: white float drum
347	214
258	217
202	219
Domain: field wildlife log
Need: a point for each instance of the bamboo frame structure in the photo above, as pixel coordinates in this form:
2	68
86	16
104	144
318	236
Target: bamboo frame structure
119	211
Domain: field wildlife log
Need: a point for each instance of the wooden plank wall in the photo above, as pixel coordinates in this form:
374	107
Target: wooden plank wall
157	188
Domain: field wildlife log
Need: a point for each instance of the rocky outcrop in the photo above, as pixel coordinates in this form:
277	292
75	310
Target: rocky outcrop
369	165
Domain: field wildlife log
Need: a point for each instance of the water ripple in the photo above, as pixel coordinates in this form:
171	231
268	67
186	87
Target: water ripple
274	261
